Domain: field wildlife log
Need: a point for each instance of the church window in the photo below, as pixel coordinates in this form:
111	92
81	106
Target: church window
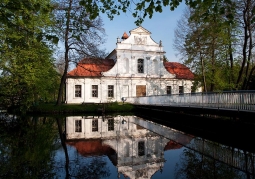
94	125
77	125
77	90
110	124
140	66
94	91
169	90
141	148
181	91
110	91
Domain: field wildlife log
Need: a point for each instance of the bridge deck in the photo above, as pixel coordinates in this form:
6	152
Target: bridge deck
234	102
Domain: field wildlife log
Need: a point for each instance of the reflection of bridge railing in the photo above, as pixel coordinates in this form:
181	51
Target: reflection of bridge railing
236	158
239	100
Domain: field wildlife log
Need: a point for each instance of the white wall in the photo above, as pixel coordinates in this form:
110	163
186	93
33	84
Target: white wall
122	87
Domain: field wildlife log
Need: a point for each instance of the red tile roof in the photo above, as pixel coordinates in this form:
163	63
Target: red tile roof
90	67
181	139
172	145
91	147
180	70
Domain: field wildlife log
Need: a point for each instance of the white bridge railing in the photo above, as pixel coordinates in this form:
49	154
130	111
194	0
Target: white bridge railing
240	100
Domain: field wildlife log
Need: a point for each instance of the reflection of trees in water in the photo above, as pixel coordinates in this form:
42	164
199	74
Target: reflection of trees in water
95	168
194	165
80	167
26	146
62	139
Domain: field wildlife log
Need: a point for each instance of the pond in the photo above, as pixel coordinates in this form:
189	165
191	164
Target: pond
112	147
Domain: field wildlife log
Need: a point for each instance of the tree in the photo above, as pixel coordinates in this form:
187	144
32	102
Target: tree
235	31
27	69
193	57
205	43
245	17
30	76
81	36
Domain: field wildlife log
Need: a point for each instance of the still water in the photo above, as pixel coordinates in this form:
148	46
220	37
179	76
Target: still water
117	146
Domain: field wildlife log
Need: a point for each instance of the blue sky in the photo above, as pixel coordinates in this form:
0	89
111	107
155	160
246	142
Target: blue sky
161	26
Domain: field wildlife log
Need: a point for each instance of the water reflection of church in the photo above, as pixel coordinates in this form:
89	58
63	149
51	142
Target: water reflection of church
128	141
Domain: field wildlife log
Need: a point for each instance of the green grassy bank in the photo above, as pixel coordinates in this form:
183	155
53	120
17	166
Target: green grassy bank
50	108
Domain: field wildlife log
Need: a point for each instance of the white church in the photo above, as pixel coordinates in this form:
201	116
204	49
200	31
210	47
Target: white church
136	67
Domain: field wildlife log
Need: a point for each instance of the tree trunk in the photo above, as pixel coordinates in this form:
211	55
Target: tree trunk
231	59
245	82
203	71
63	78
61	87
212	86
244	48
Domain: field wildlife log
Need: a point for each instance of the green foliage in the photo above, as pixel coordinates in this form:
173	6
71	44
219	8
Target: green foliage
25	18
219	40
29	75
26	64
206	43
26	147
144	8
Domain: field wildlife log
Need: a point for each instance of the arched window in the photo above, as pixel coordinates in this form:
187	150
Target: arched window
140	66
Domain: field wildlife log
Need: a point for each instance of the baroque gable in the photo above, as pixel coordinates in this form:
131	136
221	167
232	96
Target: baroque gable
140	30
140	37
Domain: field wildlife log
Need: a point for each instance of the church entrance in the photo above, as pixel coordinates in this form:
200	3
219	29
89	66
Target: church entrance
140	90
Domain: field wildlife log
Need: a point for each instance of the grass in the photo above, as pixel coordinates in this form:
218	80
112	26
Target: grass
50	108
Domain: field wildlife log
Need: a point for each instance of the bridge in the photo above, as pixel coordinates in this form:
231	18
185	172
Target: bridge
229	103
236	100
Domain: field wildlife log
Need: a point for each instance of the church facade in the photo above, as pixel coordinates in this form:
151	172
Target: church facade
136	67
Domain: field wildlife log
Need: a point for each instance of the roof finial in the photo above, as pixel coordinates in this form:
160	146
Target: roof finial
160	43
118	40
124	36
